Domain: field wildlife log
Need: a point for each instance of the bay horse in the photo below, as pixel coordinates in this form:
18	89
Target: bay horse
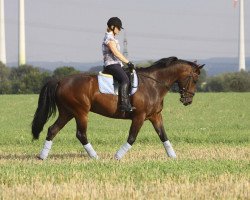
77	95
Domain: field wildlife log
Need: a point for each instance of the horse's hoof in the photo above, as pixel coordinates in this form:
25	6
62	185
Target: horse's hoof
39	158
95	157
117	158
171	153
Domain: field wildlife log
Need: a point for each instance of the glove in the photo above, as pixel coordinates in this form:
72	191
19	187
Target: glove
131	66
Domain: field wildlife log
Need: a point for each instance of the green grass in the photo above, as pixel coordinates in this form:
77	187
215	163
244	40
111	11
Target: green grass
211	138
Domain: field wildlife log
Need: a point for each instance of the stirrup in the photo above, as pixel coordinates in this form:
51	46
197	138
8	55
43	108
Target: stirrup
125	108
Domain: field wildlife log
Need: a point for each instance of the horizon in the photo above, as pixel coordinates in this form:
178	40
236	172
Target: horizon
136	61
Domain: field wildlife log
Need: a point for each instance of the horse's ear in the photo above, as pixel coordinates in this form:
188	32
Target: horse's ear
201	66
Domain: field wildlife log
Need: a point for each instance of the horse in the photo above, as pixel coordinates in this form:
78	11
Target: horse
76	95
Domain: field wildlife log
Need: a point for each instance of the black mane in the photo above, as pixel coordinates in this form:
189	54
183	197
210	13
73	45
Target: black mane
162	63
166	61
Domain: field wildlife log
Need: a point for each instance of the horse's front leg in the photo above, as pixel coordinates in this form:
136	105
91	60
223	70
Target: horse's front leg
157	122
133	132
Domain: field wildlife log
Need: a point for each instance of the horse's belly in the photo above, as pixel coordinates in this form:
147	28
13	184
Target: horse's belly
107	105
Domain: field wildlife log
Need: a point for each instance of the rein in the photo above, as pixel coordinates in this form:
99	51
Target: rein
159	82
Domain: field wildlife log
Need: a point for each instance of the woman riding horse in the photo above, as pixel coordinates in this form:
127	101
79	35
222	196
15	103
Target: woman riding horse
77	95
113	59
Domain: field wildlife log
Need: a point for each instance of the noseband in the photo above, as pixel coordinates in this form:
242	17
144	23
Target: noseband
185	92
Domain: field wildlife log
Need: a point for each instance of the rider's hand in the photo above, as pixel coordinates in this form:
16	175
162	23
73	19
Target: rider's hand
131	66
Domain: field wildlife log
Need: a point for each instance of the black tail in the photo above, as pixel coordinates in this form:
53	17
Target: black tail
46	107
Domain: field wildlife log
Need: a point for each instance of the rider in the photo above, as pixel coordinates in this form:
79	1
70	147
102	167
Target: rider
113	61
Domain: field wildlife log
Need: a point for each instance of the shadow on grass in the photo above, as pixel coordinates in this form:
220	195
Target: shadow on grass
52	156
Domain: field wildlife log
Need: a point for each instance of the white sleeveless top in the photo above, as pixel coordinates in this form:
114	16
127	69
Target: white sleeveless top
108	57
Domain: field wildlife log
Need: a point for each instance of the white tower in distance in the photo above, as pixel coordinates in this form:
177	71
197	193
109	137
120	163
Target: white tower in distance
242	61
22	56
2	34
125	46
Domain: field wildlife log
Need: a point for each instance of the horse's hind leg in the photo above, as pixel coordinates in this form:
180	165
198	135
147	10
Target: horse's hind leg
81	134
52	131
157	122
135	127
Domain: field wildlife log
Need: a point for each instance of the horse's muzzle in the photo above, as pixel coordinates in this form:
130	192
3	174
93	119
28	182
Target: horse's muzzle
186	100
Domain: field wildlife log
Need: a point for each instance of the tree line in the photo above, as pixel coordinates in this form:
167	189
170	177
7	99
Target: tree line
27	79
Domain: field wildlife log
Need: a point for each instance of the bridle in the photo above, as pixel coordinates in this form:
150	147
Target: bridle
185	92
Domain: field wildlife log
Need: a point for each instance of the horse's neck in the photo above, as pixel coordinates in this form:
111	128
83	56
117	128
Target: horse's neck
168	75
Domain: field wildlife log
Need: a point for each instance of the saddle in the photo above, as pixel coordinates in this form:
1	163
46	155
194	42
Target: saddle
109	85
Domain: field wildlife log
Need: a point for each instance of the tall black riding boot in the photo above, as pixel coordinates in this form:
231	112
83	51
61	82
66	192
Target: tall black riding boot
125	105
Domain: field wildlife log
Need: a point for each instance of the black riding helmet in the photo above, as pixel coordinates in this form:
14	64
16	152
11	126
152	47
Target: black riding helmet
115	21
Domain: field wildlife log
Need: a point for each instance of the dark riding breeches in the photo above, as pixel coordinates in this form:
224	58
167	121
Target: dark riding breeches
118	73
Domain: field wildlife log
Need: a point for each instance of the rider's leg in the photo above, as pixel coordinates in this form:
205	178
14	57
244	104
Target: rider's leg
119	74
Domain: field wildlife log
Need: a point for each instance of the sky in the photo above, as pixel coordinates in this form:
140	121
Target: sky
73	30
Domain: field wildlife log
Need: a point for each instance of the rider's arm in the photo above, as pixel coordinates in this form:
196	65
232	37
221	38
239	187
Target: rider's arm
118	54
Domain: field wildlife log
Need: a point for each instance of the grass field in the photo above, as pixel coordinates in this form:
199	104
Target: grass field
211	139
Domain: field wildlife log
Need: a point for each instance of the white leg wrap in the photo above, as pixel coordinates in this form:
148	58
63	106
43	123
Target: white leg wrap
122	151
169	149
92	154
46	148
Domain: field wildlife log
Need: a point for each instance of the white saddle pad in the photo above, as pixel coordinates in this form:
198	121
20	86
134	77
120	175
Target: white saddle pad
107	85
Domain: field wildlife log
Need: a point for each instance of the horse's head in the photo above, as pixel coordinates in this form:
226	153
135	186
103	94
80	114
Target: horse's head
187	82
